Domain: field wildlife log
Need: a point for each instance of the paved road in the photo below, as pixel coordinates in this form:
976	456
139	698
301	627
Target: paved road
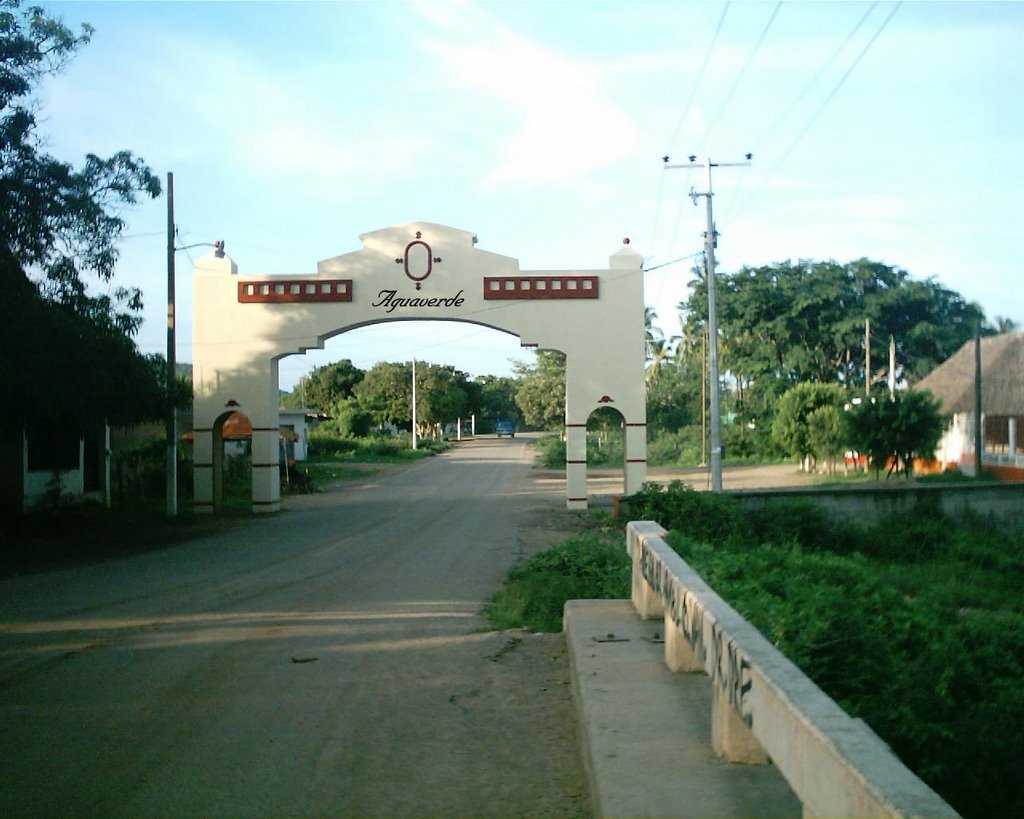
325	661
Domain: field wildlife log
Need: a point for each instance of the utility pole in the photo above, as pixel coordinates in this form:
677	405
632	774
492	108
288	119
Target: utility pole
171	422
414	404
892	366
978	419
710	242
867	357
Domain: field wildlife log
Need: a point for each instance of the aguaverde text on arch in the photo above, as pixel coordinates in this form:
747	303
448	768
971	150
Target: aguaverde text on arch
390	301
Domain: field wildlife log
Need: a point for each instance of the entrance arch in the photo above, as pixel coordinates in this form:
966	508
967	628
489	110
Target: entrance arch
244	325
606	441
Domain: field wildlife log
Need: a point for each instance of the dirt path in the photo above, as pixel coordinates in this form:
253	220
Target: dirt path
327	661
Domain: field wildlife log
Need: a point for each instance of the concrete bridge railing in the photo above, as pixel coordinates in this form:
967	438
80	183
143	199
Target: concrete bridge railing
763	706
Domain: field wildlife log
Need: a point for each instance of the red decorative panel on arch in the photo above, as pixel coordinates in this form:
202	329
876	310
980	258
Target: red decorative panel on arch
540	287
294	291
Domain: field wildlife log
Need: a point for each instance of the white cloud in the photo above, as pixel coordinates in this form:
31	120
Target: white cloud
563	123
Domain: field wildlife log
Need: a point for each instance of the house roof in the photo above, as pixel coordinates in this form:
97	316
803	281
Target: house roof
238	427
1002	377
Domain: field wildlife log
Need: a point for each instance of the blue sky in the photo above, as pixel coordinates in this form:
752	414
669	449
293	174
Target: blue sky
890	131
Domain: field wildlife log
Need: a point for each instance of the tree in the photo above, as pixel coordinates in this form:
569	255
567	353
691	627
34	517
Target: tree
325	386
825	435
1002	324
652	333
67	362
493	396
386	393
659	353
786	323
673	398
349	419
60	224
441	395
792	428
541	393
894	430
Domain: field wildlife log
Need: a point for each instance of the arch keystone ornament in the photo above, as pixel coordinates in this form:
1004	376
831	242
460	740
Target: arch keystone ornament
423	259
244	325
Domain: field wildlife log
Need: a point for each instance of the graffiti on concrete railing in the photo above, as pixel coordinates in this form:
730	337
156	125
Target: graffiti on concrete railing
731	671
728	666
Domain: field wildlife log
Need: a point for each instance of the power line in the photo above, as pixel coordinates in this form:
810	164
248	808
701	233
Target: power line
814	81
743	71
777	166
678	128
839	84
700	75
674	261
763	140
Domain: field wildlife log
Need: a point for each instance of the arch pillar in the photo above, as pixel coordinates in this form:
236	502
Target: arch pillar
204	466
266	469
634	451
576	466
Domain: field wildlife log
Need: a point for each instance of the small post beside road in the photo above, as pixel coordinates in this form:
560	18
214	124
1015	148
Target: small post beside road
414	442
171	421
709	266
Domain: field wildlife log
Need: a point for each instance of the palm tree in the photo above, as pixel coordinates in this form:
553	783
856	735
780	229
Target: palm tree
1005	325
652	334
659	352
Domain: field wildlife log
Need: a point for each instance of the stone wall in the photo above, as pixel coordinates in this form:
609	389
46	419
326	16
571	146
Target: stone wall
1003	502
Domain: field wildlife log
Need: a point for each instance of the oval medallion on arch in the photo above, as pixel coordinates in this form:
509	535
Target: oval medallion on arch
419	261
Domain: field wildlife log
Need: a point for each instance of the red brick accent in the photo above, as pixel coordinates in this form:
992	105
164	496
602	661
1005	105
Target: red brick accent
294	291
540	287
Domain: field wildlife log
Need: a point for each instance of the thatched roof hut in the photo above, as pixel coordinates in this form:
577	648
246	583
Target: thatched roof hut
1002	377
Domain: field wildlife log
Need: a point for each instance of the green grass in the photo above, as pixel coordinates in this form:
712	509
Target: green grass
916	625
375	449
591	566
324	474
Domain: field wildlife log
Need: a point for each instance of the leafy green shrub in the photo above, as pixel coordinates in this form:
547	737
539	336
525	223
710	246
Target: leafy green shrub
801	522
593	566
549	452
604	448
741	445
917	627
707	516
139	474
678	448
328	446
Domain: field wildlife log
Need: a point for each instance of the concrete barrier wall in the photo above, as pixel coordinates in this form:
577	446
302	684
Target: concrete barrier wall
867	505
762	704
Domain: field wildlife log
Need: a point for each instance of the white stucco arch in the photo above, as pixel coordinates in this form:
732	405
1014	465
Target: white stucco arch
243	325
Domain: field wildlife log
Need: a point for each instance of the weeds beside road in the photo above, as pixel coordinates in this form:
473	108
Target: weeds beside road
915	625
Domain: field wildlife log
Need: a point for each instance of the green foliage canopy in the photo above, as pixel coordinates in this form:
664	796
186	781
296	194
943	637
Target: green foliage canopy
66	358
893	430
442	394
325	386
785	323
793	429
58	223
541	393
493	396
